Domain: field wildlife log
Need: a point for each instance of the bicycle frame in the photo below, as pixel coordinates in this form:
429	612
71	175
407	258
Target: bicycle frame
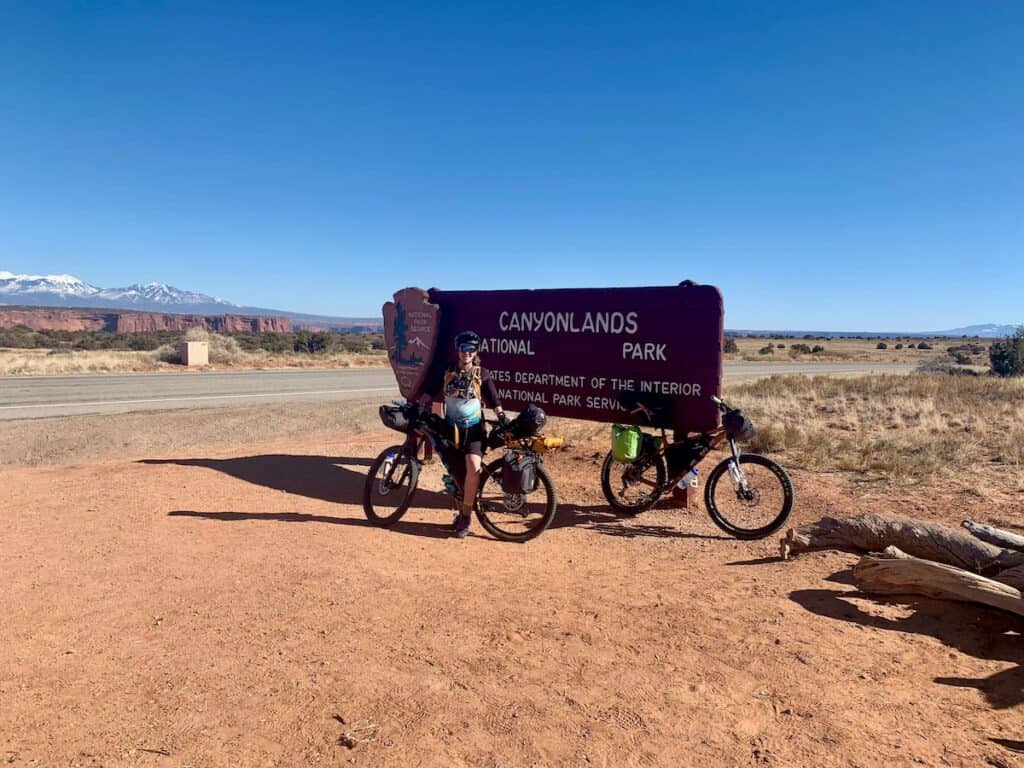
708	441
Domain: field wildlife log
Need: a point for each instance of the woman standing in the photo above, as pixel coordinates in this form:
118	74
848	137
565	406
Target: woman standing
467	387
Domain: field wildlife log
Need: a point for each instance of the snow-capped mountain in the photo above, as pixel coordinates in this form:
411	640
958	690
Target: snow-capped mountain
990	331
69	291
159	293
61	285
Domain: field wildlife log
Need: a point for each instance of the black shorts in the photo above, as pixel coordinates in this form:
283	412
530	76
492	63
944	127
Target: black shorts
471	439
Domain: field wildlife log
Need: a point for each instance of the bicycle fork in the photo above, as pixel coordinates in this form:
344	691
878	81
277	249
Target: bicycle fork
739	479
384	486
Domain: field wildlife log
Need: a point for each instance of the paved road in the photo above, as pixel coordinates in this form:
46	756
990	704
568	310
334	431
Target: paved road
38	396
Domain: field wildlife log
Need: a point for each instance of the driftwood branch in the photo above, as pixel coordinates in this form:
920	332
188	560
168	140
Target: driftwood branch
895	572
995	536
873	533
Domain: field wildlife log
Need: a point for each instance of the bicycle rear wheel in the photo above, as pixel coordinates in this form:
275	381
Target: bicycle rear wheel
389	486
514	516
756	506
632	487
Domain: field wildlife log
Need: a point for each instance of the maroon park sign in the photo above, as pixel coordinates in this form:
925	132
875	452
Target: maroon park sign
584	353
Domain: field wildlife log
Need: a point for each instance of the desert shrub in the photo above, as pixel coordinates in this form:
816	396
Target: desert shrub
816	349
364	342
800	349
1007	356
924	345
167	353
766	350
959	357
275	342
311	342
899	345
780	346
939	365
21	337
730	345
967	349
881	345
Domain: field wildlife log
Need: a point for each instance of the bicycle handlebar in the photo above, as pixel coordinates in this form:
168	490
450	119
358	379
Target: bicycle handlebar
722	405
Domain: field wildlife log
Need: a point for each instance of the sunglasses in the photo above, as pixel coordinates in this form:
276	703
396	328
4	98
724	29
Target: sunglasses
467	348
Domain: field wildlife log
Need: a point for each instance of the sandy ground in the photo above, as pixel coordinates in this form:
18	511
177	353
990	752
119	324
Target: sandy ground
207	593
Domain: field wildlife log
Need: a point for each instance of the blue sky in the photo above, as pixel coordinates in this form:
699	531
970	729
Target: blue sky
834	166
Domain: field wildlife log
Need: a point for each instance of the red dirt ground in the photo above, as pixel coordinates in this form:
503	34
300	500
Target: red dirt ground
229	606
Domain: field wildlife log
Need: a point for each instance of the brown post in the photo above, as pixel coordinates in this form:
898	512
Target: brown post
684	498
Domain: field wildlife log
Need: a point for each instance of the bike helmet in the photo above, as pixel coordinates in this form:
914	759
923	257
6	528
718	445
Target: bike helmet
529	422
467	337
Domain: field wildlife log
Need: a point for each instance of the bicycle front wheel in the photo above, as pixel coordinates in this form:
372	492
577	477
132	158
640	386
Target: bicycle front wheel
389	486
752	501
632	487
514	516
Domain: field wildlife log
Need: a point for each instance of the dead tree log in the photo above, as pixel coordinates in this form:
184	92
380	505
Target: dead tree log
995	536
896	573
1014	577
873	533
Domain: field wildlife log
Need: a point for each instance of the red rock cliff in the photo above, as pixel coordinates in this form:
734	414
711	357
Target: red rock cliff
58	319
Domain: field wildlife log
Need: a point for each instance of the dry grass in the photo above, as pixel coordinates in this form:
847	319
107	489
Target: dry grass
339	360
44	362
224	354
837	350
893	427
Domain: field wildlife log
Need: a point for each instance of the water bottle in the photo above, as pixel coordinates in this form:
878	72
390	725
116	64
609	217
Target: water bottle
689	479
449	485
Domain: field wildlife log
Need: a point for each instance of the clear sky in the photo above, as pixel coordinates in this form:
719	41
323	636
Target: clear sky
827	165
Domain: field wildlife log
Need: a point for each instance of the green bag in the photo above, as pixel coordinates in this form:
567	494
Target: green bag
626	442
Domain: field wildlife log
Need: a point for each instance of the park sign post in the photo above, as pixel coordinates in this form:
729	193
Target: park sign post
583	353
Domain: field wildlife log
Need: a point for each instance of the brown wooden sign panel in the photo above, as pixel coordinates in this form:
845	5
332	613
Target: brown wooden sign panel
410	334
590	353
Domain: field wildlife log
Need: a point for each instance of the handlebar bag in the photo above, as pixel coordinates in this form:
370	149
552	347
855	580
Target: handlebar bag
394	417
738	426
626	441
519	472
682	455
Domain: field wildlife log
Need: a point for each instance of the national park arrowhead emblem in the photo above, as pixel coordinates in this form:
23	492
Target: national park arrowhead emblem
411	324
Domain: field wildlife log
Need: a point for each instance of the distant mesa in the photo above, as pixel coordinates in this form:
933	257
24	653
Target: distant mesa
60	319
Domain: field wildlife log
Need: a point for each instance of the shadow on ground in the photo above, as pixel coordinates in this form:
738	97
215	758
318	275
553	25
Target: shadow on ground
973	629
327	478
340	479
430	530
337	479
602	519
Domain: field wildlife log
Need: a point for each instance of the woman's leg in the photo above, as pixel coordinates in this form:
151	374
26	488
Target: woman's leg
469	495
473	463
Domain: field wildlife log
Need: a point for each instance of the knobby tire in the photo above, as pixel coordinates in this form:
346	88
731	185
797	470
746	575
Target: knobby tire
772	501
405	474
497	511
613	473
